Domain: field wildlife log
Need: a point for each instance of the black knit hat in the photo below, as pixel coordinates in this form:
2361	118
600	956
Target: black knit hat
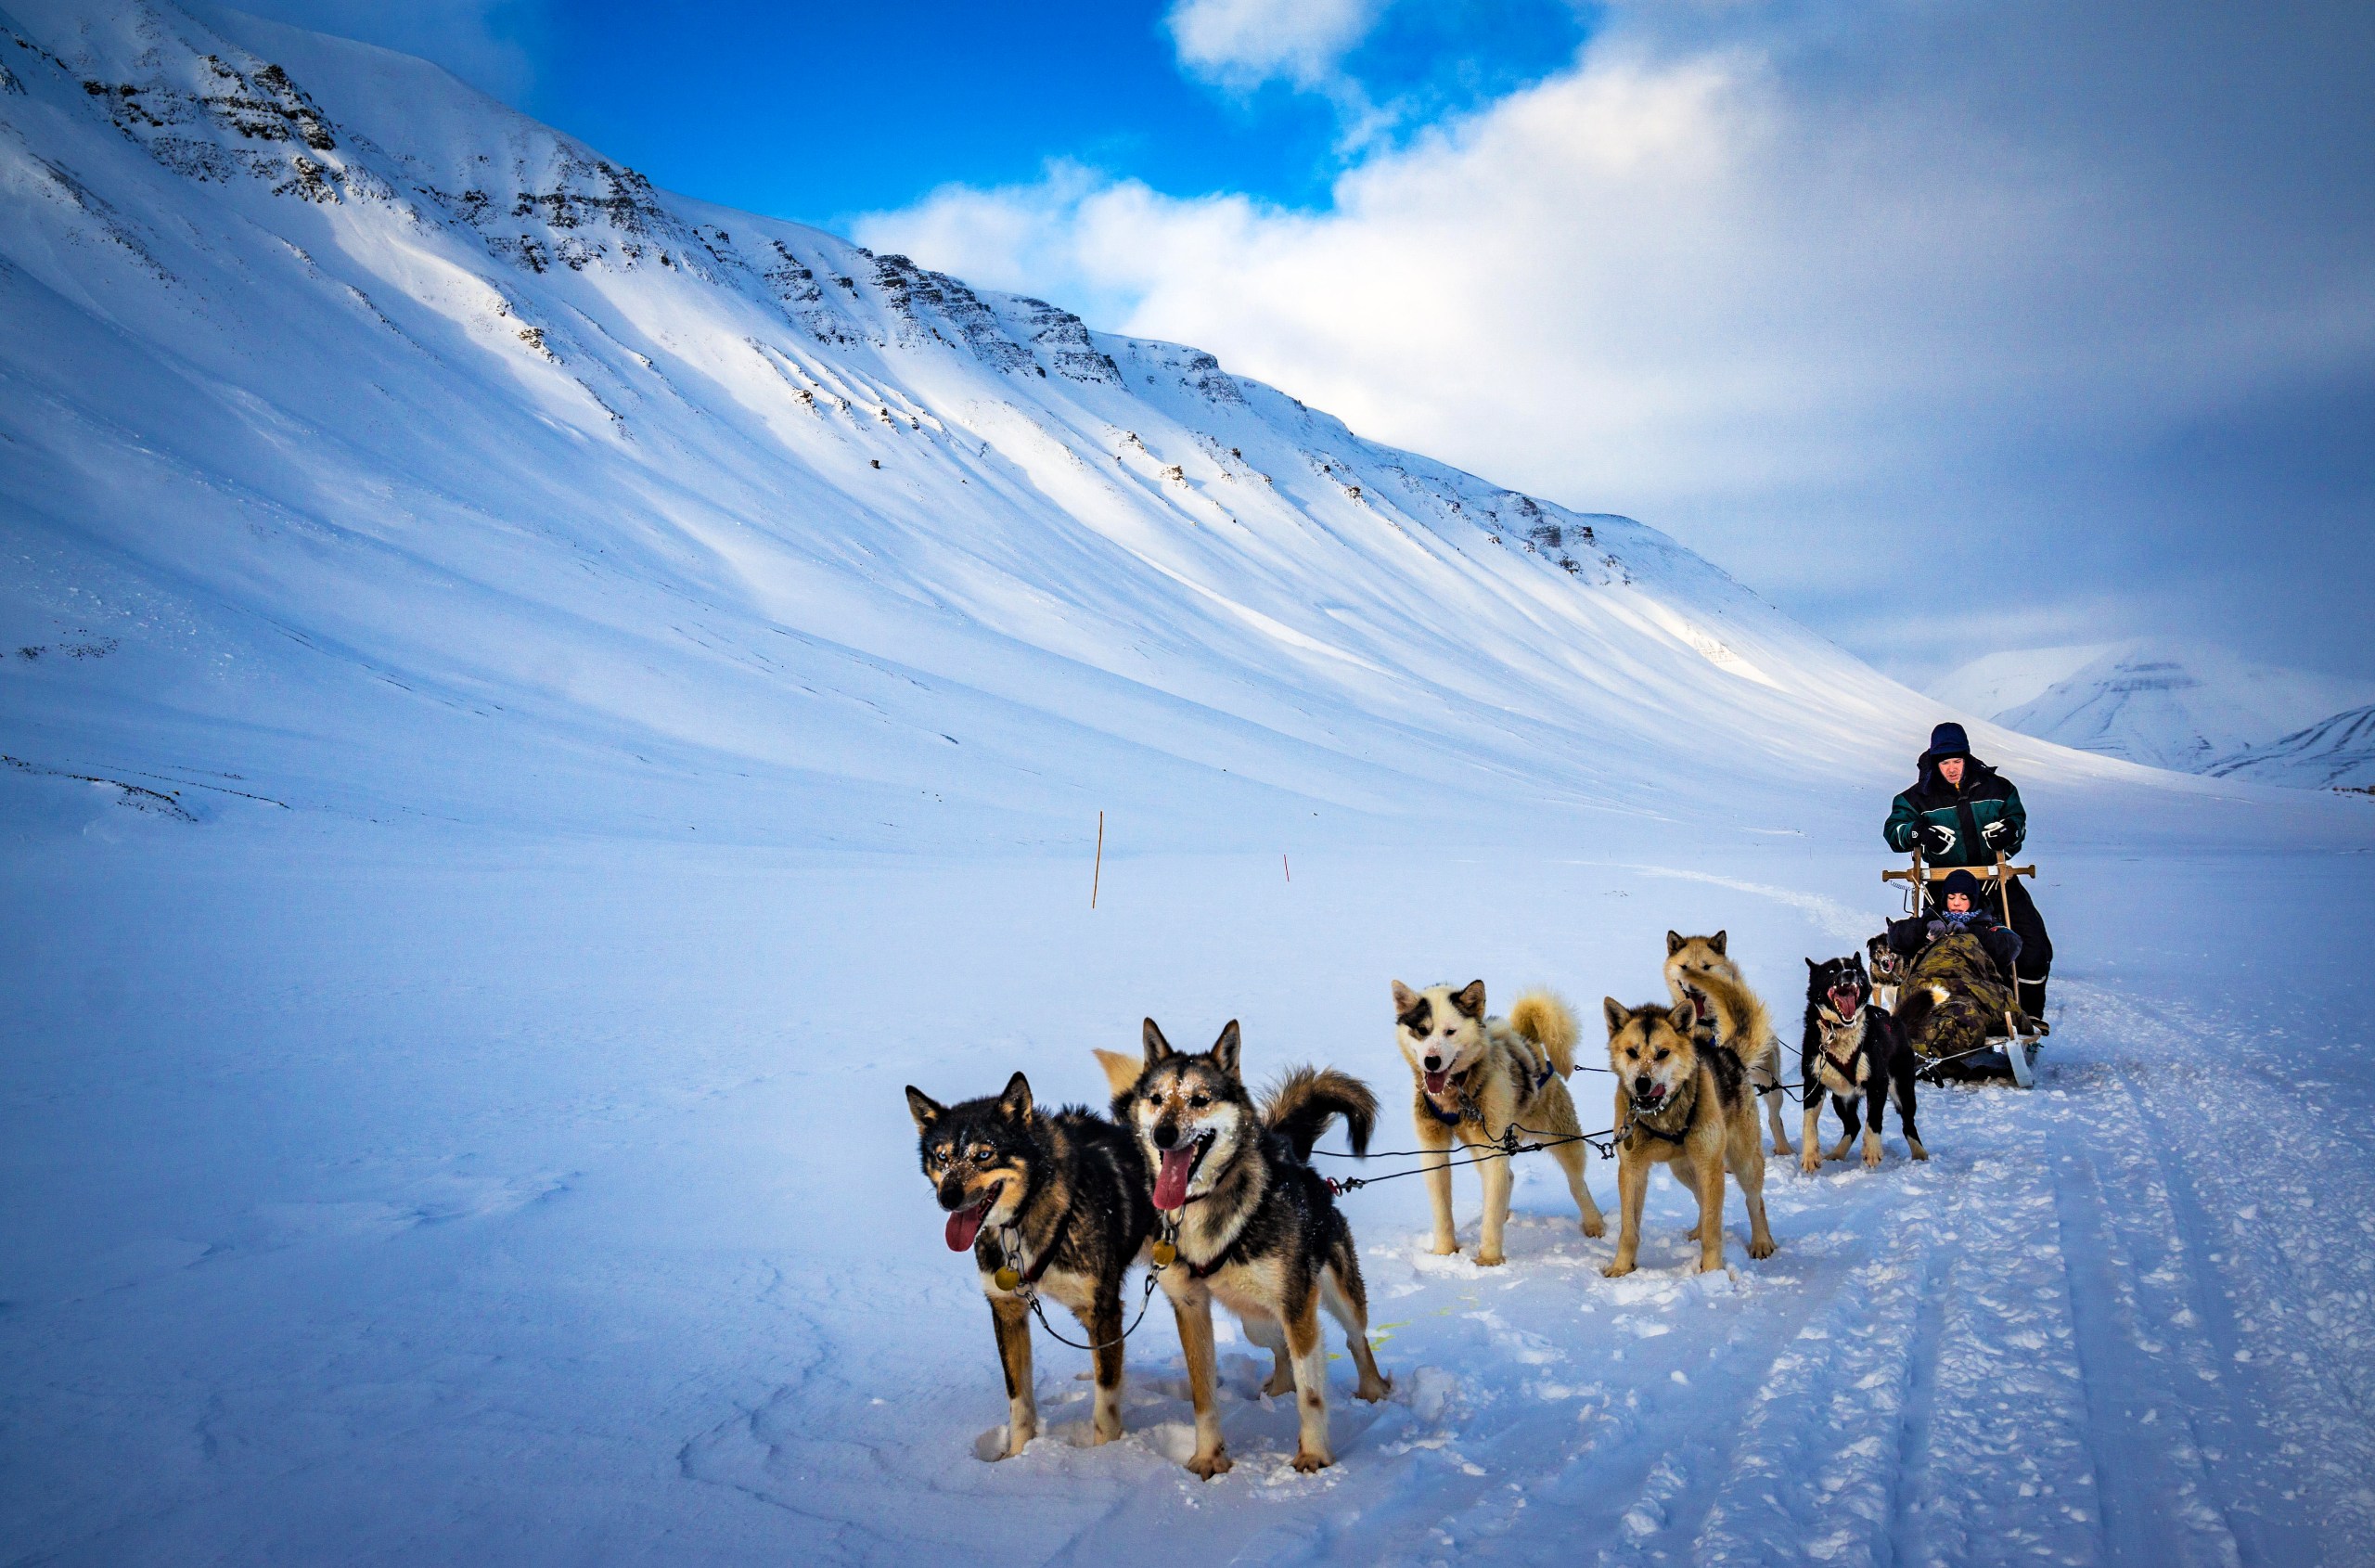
1962	882
1948	740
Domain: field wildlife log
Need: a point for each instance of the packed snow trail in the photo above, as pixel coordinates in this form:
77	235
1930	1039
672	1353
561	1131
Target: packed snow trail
380	1200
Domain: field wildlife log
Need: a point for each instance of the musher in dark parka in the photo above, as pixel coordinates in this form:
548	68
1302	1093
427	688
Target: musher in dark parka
1961	812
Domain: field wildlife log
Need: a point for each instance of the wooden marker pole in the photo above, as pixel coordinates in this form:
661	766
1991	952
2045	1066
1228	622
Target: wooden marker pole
1098	875
1282	861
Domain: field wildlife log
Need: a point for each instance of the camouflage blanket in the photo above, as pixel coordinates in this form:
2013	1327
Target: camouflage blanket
1954	999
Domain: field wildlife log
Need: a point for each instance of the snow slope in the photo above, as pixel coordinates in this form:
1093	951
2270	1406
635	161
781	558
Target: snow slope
396	453
2183	708
2337	754
504	790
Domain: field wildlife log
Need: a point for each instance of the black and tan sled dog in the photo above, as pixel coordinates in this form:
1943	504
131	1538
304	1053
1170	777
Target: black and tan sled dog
1691	1110
1051	1202
1701	970
1472	1078
1250	1222
1855	1052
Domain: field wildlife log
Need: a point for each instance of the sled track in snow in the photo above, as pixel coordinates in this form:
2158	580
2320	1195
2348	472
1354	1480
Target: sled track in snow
2123	1318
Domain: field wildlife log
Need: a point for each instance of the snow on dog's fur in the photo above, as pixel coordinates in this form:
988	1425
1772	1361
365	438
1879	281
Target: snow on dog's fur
1700	970
1473	1077
1252	1223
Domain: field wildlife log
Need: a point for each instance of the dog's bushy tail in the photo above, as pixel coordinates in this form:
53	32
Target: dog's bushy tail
1302	1104
1543	1018
1740	1022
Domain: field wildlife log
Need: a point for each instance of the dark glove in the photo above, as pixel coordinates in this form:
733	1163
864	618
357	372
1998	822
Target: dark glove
1942	838
1995	832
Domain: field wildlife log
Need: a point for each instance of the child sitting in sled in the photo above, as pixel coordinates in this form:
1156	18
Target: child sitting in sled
1957	907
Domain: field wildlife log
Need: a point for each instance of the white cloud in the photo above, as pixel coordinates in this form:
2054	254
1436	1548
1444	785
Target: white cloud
1833	307
1242	43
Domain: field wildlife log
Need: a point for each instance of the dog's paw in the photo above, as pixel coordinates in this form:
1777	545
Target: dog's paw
1217	1462
1282	1381
1781	1145
1760	1247
1371	1390
1919	1152
1712	1265
1616	1270
1492	1259
1307	1461
1871	1159
1810	1163
1595	1227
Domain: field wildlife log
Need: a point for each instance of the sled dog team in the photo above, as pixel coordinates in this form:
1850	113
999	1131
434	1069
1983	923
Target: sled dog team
1215	1190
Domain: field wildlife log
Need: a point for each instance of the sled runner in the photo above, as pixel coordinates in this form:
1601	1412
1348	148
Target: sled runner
2022	1037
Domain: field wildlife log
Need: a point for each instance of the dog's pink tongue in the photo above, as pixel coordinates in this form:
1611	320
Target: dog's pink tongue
1436	1082
964	1224
1845	1001
1170	1182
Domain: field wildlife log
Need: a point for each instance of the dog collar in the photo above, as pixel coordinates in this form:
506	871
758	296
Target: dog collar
1467	1111
1009	1247
1166	1250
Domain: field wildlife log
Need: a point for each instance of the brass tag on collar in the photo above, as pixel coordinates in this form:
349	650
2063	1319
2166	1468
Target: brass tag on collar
1005	1278
1165	1255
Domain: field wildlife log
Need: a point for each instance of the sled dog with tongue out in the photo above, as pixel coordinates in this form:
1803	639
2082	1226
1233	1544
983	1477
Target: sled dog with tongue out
1854	1050
1241	1216
1690	1110
1474	1078
1053	1202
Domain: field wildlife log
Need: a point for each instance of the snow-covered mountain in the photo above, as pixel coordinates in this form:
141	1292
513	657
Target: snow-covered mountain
1998	682
2165	706
374	448
2333	754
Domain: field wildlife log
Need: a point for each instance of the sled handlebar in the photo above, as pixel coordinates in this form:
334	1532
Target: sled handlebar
1939	873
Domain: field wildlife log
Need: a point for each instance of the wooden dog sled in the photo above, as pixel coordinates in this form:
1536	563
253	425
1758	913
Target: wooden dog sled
2018	1044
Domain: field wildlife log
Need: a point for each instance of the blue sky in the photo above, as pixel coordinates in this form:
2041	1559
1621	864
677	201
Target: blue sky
821	112
1947	325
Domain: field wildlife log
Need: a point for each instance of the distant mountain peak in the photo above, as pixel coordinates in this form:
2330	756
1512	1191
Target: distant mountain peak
2146	702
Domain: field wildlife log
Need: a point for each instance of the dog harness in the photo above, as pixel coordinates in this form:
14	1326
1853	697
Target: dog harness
1467	1112
1858	1061
1633	1122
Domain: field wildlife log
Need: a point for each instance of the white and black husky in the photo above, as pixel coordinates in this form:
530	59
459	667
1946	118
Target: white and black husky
1240	1215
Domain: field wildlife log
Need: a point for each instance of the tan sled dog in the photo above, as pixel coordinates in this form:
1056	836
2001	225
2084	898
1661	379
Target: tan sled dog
1700	971
1687	1109
1475	1077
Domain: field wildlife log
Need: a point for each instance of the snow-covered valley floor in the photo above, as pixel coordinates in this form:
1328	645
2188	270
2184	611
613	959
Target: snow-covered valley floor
388	1199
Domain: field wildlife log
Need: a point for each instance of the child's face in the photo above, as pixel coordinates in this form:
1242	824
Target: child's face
1958	903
